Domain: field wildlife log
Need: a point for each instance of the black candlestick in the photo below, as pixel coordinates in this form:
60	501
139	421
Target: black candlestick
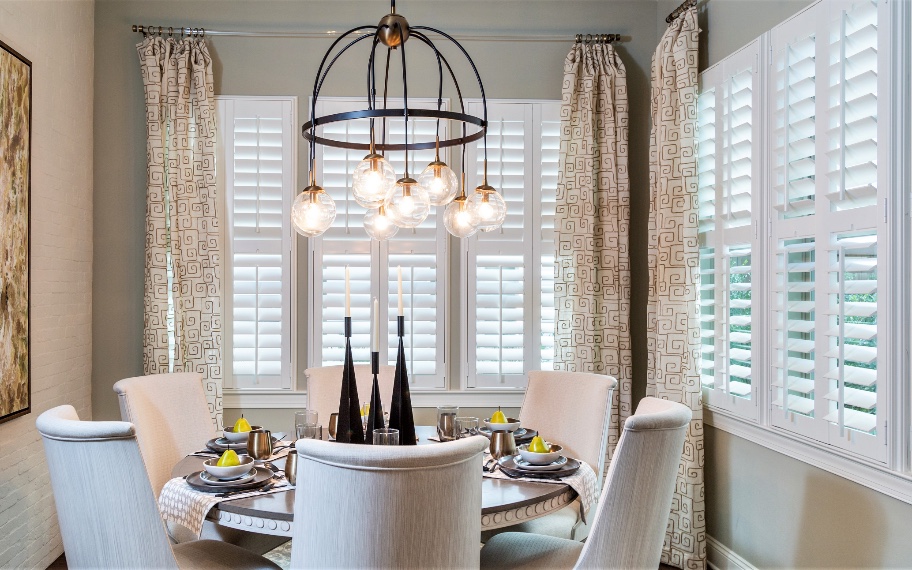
375	414
401	416
348	425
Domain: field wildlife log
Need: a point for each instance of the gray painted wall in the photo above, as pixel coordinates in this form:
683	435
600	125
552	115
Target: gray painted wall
269	66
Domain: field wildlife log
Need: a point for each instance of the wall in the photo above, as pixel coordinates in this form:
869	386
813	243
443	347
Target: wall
57	37
280	66
775	511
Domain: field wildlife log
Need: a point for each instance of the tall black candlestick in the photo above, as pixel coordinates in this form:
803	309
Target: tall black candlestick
401	416
375	414
348	426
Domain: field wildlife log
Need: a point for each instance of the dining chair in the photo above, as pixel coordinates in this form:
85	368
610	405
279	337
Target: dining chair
629	525
325	383
360	506
106	507
571	409
172	420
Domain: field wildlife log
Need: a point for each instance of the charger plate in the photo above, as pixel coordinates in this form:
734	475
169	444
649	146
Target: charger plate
263	477
520	436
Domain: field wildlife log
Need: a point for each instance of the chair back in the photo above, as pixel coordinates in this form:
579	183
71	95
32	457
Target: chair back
324	384
632	515
108	516
571	409
171	418
365	506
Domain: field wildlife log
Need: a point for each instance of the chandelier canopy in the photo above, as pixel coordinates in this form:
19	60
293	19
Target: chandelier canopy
393	201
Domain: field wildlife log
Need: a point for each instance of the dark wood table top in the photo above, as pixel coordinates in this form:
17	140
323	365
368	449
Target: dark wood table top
497	495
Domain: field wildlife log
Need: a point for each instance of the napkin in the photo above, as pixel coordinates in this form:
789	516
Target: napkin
182	504
584	482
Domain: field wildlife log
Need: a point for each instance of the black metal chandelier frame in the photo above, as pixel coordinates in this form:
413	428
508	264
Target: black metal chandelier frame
393	31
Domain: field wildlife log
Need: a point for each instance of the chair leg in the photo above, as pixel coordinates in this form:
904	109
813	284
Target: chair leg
579	521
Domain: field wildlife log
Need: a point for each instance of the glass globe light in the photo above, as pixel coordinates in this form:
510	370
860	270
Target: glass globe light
409	205
378	224
460	219
489	208
373	180
440	182
313	211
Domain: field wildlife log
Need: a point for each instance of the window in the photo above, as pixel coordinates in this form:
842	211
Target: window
795	180
510	271
257	170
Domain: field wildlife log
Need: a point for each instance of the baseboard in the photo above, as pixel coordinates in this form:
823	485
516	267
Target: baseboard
721	557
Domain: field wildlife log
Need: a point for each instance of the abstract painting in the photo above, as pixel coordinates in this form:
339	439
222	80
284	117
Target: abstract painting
15	186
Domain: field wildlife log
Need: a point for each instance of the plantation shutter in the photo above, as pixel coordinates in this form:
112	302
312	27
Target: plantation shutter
826	317
549	149
728	147
259	186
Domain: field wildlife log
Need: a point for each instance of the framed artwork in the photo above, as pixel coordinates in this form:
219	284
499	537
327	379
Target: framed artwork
15	202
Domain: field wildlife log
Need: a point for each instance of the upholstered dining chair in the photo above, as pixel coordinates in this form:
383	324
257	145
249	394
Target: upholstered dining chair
571	409
325	383
369	506
107	510
630	522
172	420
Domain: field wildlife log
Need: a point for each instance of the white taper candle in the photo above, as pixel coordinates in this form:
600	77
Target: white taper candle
375	340
348	300
401	312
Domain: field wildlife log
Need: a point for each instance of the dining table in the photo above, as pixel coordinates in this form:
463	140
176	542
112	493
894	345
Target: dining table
504	502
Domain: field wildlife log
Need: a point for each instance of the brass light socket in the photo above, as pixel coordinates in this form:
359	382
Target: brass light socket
393	30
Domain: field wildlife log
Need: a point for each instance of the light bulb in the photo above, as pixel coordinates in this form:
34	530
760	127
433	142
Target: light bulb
378	225
372	181
313	212
408	205
489	207
460	219
440	182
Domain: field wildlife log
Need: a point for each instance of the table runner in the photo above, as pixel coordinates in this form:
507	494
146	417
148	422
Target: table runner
584	482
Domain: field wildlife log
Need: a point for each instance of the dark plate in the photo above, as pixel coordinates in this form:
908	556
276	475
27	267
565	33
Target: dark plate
508	466
262	477
522	435
214	445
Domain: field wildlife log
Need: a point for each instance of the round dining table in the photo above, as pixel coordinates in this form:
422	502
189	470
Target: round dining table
504	502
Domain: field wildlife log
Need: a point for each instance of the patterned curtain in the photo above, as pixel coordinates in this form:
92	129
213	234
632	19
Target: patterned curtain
673	328
183	314
592	270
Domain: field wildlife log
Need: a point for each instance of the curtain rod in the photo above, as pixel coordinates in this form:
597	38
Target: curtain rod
679	10
188	31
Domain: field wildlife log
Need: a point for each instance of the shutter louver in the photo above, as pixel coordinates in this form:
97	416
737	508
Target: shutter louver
499	318
707	315
706	158
549	160
332	304
740	320
737	155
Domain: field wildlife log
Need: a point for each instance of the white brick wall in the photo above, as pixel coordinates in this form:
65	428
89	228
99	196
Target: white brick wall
58	37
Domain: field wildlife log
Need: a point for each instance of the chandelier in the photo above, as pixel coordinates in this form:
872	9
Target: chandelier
402	202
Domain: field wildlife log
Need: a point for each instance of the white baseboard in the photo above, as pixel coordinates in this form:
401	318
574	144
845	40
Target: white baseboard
721	557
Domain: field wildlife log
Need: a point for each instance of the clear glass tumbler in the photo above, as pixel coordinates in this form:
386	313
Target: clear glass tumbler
386	436
446	422
303	420
466	426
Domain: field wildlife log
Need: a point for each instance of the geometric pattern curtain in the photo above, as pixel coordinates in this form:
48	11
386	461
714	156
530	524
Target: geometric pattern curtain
673	331
183	314
592	273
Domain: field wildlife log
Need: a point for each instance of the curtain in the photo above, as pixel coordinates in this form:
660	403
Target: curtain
673	328
182	324
592	267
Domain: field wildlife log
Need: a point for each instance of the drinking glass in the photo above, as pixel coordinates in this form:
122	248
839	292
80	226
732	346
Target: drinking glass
386	436
466	426
311	432
305	419
446	422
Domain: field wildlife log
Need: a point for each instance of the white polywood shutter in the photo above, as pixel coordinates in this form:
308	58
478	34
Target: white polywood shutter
827	318
258	146
728	147
421	252
547	118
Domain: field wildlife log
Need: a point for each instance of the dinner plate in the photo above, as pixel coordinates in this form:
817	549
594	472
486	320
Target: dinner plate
508	465
213	480
263	477
220	444
522	435
523	464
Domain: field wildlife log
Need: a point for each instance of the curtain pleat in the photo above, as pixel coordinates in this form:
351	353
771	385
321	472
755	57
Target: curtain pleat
673	328
592	267
183	273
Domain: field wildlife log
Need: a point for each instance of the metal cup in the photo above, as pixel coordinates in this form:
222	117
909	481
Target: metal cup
502	444
333	421
446	422
291	465
259	444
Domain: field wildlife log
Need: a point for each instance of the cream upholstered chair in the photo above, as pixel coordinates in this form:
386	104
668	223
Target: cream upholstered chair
571	409
388	506
172	420
107	511
325	383
629	525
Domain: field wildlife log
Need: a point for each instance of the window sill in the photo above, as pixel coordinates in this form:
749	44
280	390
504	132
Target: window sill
284	399
873	476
